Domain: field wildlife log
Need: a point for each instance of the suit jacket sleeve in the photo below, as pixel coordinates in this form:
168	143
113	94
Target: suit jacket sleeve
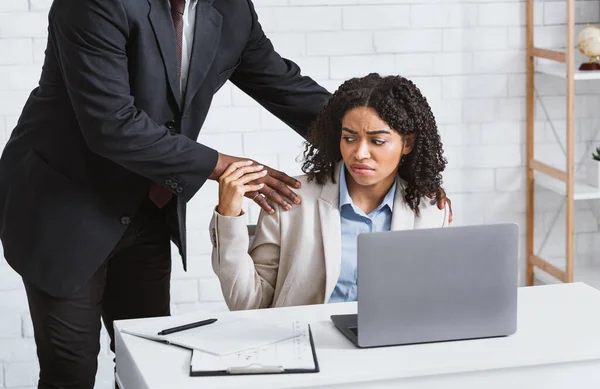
89	38
276	83
248	279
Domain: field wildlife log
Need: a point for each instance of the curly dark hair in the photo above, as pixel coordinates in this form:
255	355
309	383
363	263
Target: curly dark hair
401	105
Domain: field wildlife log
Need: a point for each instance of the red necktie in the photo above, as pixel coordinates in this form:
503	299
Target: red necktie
158	193
177	7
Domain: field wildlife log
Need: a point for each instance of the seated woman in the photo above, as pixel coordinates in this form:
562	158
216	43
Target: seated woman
373	154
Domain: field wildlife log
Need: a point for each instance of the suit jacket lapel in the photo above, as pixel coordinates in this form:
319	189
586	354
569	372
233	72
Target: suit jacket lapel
403	218
207	33
162	24
329	216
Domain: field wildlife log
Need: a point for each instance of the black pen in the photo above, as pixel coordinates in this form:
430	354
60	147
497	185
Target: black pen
187	326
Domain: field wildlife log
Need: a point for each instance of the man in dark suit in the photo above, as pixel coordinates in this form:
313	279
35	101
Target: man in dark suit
95	177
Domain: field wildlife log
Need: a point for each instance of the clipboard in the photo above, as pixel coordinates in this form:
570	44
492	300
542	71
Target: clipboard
305	342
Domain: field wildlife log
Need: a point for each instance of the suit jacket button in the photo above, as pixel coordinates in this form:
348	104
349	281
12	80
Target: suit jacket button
174	185
179	190
168	182
125	220
170	124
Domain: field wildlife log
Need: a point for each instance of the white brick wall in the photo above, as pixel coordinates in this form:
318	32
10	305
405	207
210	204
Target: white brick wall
466	55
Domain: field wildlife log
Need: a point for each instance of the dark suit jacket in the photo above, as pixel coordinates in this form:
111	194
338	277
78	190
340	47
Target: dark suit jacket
106	121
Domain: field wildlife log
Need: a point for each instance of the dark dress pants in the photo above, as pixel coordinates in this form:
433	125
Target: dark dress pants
133	282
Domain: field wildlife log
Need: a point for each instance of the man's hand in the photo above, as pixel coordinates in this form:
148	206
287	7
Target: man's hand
441	200
275	184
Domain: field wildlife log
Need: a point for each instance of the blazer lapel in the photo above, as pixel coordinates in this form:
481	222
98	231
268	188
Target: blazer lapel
329	216
403	218
162	24
207	33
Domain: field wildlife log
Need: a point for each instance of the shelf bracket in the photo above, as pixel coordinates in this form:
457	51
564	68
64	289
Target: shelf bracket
553	55
548	170
548	268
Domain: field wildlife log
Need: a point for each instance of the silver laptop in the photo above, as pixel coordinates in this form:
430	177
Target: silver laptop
433	285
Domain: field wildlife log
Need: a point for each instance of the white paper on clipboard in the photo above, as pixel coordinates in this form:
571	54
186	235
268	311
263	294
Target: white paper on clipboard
228	335
291	354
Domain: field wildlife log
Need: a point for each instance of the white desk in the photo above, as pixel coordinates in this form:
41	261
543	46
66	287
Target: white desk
557	345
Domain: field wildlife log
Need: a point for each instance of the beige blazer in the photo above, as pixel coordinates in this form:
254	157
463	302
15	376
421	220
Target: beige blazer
295	257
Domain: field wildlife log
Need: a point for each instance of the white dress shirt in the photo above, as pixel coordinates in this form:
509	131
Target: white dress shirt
189	22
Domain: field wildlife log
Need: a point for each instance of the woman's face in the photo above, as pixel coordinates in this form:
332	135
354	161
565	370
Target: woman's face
371	150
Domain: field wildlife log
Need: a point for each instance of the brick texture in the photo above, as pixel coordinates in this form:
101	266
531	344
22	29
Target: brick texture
467	56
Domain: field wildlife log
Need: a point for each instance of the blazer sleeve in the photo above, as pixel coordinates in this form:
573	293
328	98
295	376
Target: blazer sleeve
431	216
89	39
248	277
276	83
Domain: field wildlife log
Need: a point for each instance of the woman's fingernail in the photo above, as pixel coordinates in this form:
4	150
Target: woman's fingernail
259	167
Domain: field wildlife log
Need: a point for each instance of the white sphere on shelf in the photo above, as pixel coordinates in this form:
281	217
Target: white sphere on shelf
588	41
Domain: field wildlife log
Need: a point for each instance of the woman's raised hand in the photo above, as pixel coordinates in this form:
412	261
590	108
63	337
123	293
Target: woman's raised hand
235	182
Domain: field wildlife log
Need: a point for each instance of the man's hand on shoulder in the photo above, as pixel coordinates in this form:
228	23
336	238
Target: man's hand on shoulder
275	185
441	200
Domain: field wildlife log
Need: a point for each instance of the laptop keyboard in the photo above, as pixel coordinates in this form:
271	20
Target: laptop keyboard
354	330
